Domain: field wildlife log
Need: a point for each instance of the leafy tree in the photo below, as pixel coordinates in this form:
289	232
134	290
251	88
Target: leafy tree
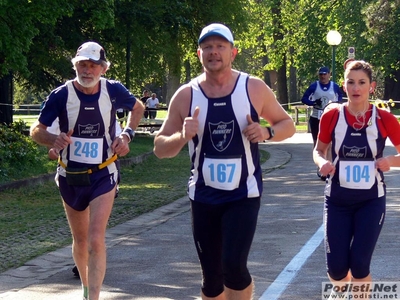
152	43
51	51
132	44
288	39
17	29
383	35
18	20
35	40
154	37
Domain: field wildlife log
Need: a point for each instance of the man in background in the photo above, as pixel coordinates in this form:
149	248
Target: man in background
318	95
144	100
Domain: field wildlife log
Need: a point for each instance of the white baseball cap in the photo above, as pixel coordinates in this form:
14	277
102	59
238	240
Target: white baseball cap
90	51
216	29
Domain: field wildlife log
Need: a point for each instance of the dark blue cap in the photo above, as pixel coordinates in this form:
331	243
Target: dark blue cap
323	70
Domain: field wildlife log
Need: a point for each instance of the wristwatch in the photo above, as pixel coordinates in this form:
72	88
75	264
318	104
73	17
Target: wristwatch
271	133
129	132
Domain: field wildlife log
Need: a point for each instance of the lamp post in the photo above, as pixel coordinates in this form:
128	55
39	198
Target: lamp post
333	38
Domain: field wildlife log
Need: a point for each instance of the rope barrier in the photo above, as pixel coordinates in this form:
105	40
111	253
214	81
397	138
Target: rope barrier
26	107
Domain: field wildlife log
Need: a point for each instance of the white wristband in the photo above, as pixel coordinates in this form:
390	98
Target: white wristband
126	134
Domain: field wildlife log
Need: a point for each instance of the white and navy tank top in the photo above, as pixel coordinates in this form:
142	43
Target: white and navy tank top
94	130
225	165
326	93
354	153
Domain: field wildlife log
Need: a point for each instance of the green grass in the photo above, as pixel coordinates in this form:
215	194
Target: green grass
141	144
28	119
32	220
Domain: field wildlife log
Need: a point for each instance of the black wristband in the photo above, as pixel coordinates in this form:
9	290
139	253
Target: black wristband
271	133
129	132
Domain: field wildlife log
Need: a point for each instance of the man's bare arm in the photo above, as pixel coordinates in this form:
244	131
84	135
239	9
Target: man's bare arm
135	115
40	135
177	128
264	101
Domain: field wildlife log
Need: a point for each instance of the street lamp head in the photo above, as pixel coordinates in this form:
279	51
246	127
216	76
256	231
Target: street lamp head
333	38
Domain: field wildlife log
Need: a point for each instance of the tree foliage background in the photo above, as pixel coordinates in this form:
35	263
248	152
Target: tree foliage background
152	43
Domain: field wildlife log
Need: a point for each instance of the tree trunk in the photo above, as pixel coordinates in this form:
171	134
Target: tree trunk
6	99
187	70
128	64
392	87
282	90
172	85
293	95
265	61
173	60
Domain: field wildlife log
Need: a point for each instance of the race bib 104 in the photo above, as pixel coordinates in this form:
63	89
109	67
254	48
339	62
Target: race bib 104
357	174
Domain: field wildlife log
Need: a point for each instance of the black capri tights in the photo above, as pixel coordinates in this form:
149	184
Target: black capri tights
223	234
314	127
351	233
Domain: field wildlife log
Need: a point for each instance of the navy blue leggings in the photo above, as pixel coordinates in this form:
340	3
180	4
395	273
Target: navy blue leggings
351	233
223	234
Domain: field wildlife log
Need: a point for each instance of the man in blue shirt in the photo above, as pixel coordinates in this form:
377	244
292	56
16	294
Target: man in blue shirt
318	95
87	146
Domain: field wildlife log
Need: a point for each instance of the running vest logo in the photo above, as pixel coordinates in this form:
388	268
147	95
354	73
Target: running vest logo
220	104
221	134
89	108
324	101
89	130
354	152
355	134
